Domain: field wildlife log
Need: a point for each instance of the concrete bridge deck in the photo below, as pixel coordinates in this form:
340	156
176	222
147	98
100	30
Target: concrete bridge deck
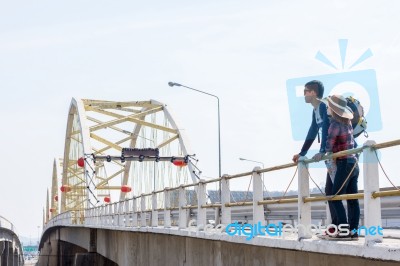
174	246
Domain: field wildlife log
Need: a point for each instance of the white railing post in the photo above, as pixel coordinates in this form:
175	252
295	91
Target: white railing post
121	214
167	205
115	216
88	217
111	219
225	198
69	219
96	215
109	214
143	211
372	206
102	215
127	221
258	210
182	211
106	211
92	216
328	214
107	207
134	213
201	200
154	212
304	208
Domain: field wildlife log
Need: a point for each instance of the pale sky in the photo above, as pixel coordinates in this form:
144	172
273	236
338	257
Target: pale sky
241	51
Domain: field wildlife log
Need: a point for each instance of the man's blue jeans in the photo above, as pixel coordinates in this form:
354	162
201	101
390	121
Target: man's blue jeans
350	187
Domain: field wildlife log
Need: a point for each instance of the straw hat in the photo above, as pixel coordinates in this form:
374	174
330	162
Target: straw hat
338	104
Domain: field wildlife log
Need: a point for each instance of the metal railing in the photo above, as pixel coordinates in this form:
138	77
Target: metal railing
134	212
4	223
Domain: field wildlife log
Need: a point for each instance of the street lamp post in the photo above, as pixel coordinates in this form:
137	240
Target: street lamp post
171	84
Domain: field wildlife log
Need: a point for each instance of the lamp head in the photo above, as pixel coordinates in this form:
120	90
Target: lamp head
171	84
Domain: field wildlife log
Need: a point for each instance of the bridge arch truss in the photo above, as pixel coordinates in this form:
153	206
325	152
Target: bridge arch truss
101	128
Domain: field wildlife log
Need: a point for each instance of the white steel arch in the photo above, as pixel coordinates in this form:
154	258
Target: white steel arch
54	194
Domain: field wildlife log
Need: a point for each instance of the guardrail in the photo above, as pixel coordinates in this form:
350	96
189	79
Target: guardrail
4	223
134	212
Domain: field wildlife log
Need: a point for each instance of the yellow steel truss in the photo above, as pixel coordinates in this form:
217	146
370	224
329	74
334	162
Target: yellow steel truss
99	127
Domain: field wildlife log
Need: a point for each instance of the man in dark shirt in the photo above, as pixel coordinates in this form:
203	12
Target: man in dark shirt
313	92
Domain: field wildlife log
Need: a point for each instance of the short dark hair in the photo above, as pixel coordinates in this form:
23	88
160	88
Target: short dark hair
316	86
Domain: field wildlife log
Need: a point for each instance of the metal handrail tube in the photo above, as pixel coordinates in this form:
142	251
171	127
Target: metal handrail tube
243	203
190	207
239	175
277	201
388	193
189	185
212	180
337	197
386	144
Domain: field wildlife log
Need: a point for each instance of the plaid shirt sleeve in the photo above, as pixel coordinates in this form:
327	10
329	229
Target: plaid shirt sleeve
340	138
333	132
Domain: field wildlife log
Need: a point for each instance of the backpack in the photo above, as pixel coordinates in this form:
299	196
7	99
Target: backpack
358	122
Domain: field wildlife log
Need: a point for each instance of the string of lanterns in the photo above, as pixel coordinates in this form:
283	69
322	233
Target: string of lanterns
179	162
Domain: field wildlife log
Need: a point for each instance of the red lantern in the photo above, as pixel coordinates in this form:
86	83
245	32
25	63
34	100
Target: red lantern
65	188
179	163
126	188
52	209
81	162
56	197
107	199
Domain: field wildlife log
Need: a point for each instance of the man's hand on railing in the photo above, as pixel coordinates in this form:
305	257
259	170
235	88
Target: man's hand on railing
295	158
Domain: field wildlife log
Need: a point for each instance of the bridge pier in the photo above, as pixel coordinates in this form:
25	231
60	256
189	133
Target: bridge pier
3	253
15	258
9	255
56	250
